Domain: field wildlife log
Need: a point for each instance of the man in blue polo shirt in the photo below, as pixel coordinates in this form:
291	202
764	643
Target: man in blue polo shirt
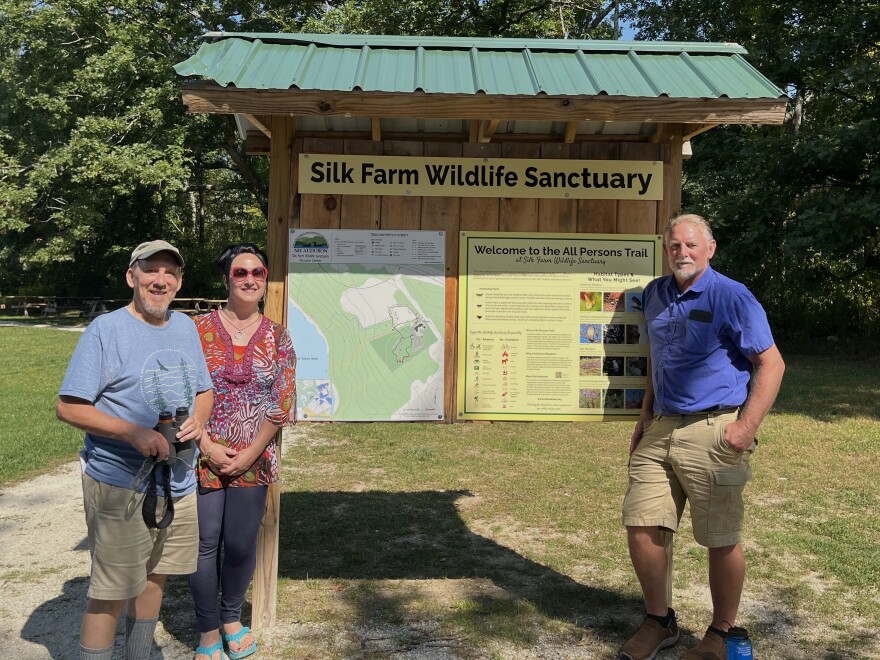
714	374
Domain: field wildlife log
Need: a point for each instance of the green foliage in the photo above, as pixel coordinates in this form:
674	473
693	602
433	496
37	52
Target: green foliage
796	207
98	154
492	18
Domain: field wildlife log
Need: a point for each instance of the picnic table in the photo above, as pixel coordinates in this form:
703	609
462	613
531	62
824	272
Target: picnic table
93	307
195	305
24	305
90	307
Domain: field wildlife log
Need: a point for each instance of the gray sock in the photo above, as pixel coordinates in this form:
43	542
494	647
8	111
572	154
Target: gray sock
139	638
95	654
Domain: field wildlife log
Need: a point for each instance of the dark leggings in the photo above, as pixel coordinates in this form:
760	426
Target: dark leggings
229	517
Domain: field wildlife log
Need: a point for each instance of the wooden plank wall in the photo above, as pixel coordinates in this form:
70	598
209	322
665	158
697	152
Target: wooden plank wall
453	214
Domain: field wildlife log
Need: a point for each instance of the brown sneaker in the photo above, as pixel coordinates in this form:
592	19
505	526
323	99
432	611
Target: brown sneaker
649	639
711	647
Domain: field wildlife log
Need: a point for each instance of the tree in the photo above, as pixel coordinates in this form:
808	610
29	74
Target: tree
474	18
796	207
97	153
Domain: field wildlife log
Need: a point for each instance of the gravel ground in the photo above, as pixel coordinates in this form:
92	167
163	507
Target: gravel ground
45	570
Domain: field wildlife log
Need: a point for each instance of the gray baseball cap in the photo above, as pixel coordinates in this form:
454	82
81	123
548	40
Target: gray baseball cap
148	249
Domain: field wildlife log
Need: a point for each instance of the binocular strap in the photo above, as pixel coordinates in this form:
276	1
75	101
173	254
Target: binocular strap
150	499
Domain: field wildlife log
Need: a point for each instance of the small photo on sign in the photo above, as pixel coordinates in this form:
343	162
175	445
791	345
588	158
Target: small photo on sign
636	366
591	301
614	333
633	334
634	398
614	399
589	398
633	301
591	365
614	302
591	333
612	365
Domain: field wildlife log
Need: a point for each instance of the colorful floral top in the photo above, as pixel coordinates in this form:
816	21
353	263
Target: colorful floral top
251	384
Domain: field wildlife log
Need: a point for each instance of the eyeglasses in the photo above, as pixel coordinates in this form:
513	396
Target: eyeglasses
259	273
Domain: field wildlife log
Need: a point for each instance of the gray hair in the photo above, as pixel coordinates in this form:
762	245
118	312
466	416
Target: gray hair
690	218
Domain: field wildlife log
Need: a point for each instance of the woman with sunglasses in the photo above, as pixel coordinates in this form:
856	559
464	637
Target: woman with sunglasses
253	367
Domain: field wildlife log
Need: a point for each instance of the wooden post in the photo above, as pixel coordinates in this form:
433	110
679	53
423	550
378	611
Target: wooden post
672	166
282	188
445	213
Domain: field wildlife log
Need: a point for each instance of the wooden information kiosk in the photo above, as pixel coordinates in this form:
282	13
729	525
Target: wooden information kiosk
401	104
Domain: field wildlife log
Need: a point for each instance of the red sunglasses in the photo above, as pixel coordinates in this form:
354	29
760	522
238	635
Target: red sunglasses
259	273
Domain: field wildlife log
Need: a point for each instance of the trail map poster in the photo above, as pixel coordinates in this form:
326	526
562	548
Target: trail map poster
551	325
366	315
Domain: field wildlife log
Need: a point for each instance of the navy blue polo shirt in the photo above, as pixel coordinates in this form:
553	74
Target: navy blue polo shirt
700	342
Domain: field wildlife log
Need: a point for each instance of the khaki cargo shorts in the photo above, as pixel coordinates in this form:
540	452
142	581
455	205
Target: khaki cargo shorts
124	550
685	458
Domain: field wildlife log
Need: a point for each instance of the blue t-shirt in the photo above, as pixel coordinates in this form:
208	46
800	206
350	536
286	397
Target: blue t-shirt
133	370
700	342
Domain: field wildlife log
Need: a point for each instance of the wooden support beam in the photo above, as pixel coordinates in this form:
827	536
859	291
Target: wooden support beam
670	205
261	124
665	133
376	129
693	130
282	188
205	96
487	129
256	144
474	135
571	128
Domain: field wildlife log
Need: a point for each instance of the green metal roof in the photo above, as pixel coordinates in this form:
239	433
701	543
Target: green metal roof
505	67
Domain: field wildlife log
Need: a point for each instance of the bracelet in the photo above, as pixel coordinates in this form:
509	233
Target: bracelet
207	454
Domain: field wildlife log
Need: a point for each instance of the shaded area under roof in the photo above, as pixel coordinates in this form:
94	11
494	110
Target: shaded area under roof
465	66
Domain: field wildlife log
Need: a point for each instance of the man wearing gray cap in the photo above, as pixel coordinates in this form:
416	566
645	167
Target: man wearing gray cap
128	367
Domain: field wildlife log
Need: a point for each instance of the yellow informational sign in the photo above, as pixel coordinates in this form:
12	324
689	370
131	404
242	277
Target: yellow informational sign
349	174
551	326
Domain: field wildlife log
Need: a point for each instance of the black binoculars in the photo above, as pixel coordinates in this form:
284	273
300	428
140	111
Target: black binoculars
168	426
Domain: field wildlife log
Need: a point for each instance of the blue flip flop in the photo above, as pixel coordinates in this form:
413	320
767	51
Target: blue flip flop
236	637
211	650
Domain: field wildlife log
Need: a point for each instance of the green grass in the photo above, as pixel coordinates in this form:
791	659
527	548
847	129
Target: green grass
504	540
514	530
32	440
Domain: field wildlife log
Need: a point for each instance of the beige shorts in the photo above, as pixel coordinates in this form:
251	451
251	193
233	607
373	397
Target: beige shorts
124	550
685	458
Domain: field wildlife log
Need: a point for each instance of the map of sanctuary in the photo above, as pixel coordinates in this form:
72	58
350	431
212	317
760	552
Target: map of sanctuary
369	341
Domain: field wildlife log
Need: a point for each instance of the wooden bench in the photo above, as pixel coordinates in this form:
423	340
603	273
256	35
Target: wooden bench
92	308
26	307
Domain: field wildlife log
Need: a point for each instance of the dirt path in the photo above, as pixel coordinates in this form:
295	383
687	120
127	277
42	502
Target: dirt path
45	569
44	572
